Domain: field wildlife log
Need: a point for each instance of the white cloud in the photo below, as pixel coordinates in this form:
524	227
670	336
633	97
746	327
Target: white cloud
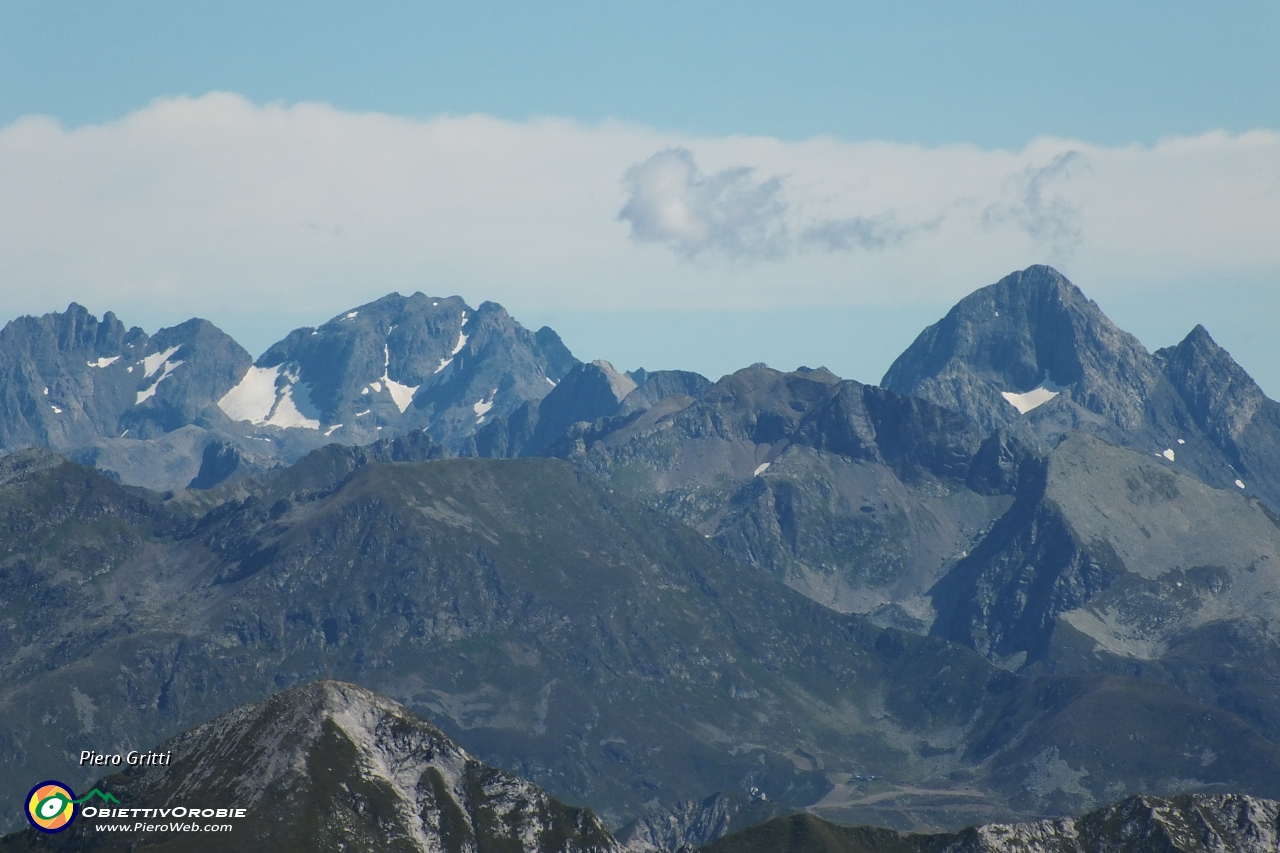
219	207
670	201
1048	218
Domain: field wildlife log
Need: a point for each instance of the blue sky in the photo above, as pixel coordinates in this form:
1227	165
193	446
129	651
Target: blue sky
744	88
994	74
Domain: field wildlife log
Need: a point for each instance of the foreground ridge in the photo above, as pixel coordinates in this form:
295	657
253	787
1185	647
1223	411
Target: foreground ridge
332	766
1186	823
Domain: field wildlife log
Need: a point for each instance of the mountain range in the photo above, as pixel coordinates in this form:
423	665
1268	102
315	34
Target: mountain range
330	766
1032	572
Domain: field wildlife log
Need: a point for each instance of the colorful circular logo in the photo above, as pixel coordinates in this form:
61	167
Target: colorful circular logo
51	806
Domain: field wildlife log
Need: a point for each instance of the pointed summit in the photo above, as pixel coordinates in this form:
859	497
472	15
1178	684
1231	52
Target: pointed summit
1230	408
332	766
1222	397
1032	350
1033	356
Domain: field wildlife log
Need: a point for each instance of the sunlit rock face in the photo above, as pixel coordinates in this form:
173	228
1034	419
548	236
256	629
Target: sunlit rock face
331	766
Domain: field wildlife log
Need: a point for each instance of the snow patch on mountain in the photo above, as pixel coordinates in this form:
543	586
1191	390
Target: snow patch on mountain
288	410
401	394
152	363
457	348
253	397
482	406
1036	397
104	362
169	367
263	400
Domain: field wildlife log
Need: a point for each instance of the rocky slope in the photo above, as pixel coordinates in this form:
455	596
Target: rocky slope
1111	561
68	379
693	823
1230	408
858	497
1186	824
1097	517
553	628
72	383
1031	354
588	393
330	766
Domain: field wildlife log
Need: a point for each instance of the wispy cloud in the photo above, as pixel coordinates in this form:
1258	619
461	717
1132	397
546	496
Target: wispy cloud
1048	217
881	231
670	201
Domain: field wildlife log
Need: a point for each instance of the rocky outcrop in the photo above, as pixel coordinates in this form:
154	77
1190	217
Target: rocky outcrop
588	393
1185	824
1230	408
693	823
401	363
1109	544
857	496
1188	823
330	766
188	406
68	380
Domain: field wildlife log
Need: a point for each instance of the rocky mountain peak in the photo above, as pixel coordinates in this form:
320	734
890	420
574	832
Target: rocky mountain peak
1220	394
68	379
333	766
399	363
619	383
1030	342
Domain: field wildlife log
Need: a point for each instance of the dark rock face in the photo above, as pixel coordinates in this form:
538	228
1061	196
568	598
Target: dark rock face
401	363
856	496
330	766
1033	356
67	380
693	823
1030	328
1230	408
1107	554
655	386
219	461
588	393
